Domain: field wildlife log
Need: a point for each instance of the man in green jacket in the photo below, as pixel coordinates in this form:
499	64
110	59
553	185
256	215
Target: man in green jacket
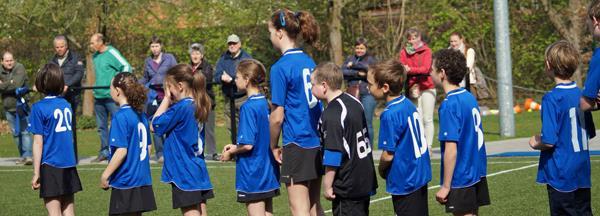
108	62
13	76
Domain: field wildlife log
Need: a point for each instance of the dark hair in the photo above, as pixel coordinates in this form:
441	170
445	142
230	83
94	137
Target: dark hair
390	72
49	80
197	84
154	39
456	34
133	91
563	59
330	73
361	41
252	70
296	24
594	10
453	62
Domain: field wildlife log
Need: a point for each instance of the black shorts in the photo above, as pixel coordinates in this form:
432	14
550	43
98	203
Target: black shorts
469	198
576	202
351	206
183	198
244	197
58	181
300	164
133	200
414	203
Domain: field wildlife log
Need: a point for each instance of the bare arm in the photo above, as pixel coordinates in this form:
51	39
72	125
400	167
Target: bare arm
536	143
230	150
384	163
587	104
38	144
449	164
275	122
116	161
328	182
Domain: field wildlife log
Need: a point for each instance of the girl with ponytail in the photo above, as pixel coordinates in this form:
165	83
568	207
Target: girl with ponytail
181	116
295	110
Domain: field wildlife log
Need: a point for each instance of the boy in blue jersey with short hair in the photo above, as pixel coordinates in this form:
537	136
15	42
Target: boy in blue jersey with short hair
128	171
564	159
256	172
591	89
404	162
463	181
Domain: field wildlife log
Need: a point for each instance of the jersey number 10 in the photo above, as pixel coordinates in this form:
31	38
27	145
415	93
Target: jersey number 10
417	135
574	137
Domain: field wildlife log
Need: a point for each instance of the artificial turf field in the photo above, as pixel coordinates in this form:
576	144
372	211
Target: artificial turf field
512	186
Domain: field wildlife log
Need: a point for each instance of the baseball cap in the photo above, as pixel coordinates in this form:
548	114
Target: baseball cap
233	38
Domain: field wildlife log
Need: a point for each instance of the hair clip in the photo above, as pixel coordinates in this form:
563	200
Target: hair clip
282	18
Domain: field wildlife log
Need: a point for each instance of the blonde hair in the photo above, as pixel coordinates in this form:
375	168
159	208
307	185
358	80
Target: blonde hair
330	73
563	59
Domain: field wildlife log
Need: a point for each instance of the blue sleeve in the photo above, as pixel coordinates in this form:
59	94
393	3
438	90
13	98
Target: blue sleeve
247	127
219	71
118	136
278	86
332	158
167	121
592	82
36	121
549	121
449	123
387	132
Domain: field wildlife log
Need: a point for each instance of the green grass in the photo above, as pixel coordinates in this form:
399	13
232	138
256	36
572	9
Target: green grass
526	124
512	193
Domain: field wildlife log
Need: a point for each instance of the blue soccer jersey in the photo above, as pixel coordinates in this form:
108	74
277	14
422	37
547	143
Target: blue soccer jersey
401	134
460	122
129	130
51	118
183	151
256	171
592	82
291	89
565	167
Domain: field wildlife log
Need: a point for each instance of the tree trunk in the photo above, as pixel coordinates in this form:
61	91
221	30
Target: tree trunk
335	34
90	78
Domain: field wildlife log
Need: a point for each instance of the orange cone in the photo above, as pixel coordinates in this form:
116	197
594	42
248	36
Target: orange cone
517	109
530	104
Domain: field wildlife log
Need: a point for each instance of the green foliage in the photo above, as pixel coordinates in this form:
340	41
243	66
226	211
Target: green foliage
86	122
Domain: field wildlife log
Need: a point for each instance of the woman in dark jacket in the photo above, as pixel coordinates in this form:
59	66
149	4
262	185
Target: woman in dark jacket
355	73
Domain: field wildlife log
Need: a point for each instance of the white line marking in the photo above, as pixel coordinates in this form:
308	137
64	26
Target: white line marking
100	168
437	186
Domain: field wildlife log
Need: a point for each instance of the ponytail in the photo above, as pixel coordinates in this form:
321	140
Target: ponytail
309	28
297	24
201	98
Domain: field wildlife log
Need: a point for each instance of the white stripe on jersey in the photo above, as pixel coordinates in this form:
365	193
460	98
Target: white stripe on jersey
293	52
120	59
342	119
566	86
458	92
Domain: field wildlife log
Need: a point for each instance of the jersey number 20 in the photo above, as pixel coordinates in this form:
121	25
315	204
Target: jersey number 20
64	117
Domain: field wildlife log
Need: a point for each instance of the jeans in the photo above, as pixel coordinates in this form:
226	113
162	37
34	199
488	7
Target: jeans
74	101
158	145
24	146
102	107
369	104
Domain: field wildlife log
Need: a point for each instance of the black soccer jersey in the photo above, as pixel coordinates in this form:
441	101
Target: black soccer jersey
347	146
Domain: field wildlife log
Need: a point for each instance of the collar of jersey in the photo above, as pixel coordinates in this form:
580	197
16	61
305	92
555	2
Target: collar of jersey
50	97
395	101
456	91
293	51
566	85
125	106
256	96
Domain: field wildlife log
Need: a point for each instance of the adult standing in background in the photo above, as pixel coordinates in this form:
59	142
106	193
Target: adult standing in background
199	64
13	76
355	70
457	42
108	61
155	69
225	76
73	70
416	58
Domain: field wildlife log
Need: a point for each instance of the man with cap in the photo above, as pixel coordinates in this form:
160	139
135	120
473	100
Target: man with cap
225	76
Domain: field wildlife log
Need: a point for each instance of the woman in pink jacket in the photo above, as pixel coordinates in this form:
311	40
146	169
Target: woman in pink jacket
416	58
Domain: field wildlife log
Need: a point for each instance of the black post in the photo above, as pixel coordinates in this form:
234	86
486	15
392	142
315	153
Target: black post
232	112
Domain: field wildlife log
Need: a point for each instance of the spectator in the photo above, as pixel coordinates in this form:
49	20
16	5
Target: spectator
72	67
355	72
199	64
13	76
477	85
155	69
225	76
108	61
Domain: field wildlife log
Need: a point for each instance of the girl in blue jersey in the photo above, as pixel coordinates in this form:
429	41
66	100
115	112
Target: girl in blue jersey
296	111
128	171
54	171
184	106
257	172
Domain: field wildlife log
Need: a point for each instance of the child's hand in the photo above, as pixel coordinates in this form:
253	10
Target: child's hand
442	195
328	193
168	94
534	141
104	182
226	154
35	182
277	154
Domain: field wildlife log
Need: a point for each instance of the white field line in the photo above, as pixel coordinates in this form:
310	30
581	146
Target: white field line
437	186
101	168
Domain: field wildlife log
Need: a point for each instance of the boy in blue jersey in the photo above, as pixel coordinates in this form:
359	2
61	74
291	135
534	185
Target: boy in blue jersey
591	89
404	162
564	159
350	176
128	171
54	171
463	182
256	172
